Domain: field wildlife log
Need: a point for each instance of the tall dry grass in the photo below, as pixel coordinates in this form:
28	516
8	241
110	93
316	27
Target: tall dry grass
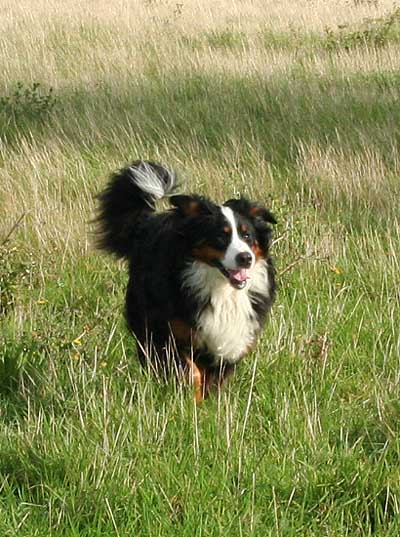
116	70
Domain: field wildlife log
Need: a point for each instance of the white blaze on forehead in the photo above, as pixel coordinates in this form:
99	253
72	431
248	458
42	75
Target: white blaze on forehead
237	245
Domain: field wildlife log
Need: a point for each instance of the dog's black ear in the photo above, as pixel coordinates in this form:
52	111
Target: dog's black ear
250	209
190	206
261	212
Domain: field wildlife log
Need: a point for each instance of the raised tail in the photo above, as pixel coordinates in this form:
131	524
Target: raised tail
128	199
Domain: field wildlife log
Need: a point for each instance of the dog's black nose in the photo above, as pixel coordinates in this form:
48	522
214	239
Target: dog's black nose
244	259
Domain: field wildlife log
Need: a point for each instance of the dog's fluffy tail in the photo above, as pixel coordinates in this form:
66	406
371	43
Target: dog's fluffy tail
128	199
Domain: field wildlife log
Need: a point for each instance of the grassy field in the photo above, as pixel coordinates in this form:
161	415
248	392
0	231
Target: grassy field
295	103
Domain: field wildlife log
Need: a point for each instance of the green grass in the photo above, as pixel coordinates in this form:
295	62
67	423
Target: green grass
305	439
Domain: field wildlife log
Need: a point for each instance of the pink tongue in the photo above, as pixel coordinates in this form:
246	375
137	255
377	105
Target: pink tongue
239	275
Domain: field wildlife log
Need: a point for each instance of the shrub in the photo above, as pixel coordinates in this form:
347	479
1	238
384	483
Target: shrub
374	33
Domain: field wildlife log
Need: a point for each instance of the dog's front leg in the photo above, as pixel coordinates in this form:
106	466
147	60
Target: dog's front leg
197	379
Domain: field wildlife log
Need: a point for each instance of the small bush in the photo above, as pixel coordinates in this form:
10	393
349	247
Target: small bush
374	33
27	102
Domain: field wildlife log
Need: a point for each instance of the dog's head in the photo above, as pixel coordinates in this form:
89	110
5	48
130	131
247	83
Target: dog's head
231	237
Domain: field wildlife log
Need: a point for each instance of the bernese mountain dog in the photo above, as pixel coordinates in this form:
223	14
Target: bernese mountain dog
201	280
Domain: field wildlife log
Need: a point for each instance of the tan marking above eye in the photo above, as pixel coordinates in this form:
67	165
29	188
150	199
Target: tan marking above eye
244	228
227	229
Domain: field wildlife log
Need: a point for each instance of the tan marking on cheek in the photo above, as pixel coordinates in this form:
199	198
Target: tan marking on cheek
207	254
257	251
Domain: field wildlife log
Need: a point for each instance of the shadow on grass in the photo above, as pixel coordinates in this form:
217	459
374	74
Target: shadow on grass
206	113
234	122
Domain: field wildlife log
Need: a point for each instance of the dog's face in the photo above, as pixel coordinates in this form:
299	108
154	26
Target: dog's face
231	237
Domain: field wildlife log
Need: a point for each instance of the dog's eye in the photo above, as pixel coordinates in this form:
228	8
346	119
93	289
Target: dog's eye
244	233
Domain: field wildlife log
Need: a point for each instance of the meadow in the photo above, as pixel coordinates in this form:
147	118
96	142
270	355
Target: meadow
294	103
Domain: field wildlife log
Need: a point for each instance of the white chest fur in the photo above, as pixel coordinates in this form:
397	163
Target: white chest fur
227	326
